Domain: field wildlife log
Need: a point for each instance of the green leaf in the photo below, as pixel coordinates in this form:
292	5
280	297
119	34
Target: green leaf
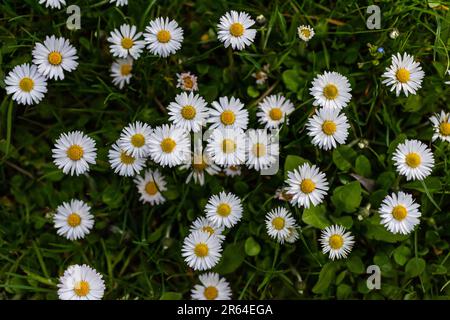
347	198
315	216
433	185
345	221
326	276
252	248
252	92
293	162
171	296
343	157
355	264
291	79
415	267
401	254
232	258
344	291
362	166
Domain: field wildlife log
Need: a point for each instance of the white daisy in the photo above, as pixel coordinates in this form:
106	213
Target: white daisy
226	147
188	112
413	159
163	37
54	57
274	110
228	114
201	251
305	32
73	152
328	128
399	213
121	72
81	283
200	164
124	42
212	287
150	187
187	81
123	163
279	224
224	209
119	3
234	29
441	126
232	171
403	74
336	242
169	145
262	151
135	139
307	185
205	225
53	3
331	89
73	219
26	84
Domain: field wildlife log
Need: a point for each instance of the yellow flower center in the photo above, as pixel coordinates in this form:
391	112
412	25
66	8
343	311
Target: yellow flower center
81	288
413	160
55	58
329	127
125	69
336	241
211	293
236	29
204	37
187	82
227	117
138	140
125	158
127	43
201	250
399	212
208	229
330	91
163	36
444	128
167	145
26	84
188	112
403	75
307	186
224	209
151	188
74	219
278	223
228	146
259	150
305	32
75	152
275	114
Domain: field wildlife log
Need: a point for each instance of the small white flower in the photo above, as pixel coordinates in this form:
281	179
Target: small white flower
53	3
280	224
163	37
292	237
234	30
399	213
73	219
54	57
232	171
201	251
124	164
135	139
169	146
119	3
274	110
81	283
226	147
336	242
260	77
262	151
403	74
228	114
307	185
394	33
187	81
413	159
73	152
26	84
200	164
224	209
205	225
331	89
441	126
121	72
305	32
188	112
212	287
124	42
150	187
328	128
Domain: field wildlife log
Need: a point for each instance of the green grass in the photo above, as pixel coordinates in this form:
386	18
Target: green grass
137	247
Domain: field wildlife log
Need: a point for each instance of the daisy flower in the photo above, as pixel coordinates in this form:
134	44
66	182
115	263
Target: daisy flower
403	74
232	171
124	42
187	81
26	84
328	128
262	152
307	185
399	213
163	37
119	3
203	224
226	147
274	110
73	152
54	57
212	287
169	145
150	187
224	209
81	283
261	75
135	139
53	3
200	164
305	32
336	242
292	236
234	29
188	112
123	163
279	224
441	126
121	72
201	251
73	219
228	114
413	159
331	89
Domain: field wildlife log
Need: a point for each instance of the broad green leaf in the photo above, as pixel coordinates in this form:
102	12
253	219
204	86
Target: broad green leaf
343	157
362	166
355	264
415	267
293	162
401	254
291	79
326	276
252	248
347	198
315	216
232	258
